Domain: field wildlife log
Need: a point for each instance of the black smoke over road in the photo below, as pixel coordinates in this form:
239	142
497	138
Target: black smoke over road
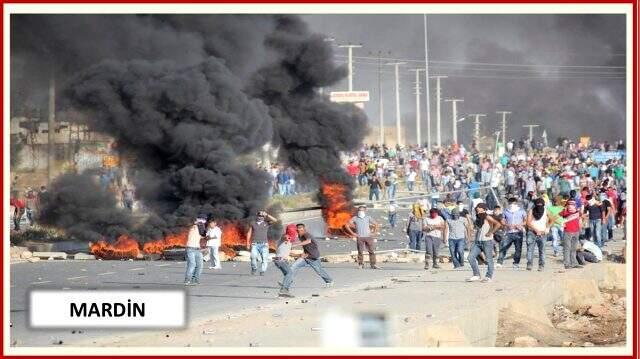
189	100
77	204
311	130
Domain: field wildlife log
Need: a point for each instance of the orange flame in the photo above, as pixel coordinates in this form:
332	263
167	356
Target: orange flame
124	247
170	241
338	209
233	236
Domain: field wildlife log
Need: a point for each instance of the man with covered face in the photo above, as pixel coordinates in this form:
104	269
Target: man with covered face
539	222
258	242
459	230
363	223
485	227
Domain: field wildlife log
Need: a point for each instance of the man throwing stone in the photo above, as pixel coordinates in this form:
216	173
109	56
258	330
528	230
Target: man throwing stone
310	258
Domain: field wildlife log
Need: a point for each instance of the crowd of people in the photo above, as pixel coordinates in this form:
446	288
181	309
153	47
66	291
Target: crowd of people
467	200
562	195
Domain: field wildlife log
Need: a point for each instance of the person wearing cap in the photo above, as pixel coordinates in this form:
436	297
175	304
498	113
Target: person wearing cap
362	223
258	241
193	254
485	227
571	221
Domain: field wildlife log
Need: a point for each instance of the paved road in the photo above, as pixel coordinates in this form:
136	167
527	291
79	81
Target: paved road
230	290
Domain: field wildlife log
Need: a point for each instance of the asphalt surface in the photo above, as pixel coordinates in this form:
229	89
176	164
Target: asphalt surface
222	292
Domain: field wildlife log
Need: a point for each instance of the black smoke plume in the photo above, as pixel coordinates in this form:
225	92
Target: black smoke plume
310	130
78	204
190	99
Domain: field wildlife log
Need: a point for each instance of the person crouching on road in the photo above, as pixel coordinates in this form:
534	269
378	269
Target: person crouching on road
214	240
193	254
283	248
362	236
485	227
310	257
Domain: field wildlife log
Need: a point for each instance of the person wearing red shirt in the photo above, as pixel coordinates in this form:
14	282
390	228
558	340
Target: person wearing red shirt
571	217
19	209
353	169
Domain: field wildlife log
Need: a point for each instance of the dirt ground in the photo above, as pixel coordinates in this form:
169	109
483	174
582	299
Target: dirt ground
598	325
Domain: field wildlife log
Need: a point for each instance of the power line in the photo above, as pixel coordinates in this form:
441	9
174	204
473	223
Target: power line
490	64
508	70
541	77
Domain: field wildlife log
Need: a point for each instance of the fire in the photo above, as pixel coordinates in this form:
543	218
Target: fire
338	208
124	247
170	241
233	236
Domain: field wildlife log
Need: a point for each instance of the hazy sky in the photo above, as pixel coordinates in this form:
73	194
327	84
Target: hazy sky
564	72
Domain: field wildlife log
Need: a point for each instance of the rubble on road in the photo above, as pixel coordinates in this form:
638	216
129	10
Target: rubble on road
84	256
47	255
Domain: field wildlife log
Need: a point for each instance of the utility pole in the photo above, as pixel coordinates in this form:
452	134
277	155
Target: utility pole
504	126
52	129
476	133
350	50
454	117
381	107
531	127
438	96
418	124
396	65
426	82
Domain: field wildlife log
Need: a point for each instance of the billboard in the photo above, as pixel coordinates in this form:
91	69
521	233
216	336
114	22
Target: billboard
349	96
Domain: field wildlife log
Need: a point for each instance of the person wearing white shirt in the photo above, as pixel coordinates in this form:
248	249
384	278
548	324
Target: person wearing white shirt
214	240
424	171
411	179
